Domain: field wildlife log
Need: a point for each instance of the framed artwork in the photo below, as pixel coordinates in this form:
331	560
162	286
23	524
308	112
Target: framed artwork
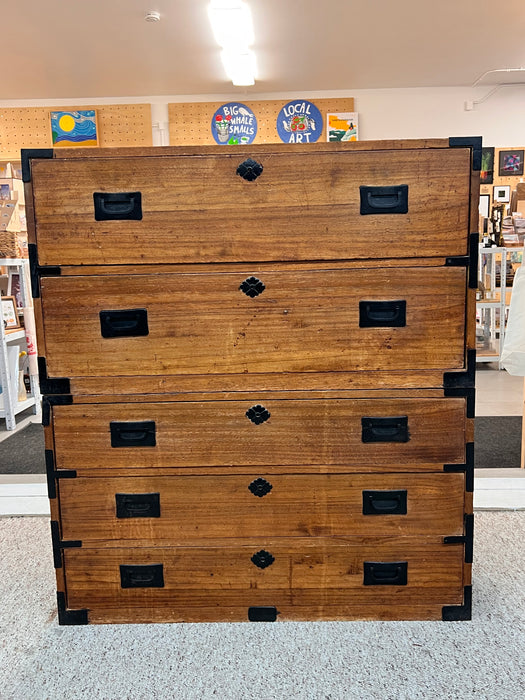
487	166
10	314
484	205
501	193
73	129
510	163
14	289
341	126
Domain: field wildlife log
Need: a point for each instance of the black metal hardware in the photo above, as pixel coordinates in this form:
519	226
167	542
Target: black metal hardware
53	385
262	614
462	380
26	154
382	573
70	617
385	502
260	487
263	559
117	206
37	271
468	393
124	323
250	169
59	545
142	576
473	142
49	401
467	539
385	429
137	505
258	414
381	314
133	433
384	200
252	287
459	613
470	261
468	467
52	474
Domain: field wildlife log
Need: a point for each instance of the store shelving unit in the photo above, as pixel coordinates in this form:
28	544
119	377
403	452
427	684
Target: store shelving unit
492	304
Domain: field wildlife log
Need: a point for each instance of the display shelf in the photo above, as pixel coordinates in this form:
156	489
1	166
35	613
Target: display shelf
491	307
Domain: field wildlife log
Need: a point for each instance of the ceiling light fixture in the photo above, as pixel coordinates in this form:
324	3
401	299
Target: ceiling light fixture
232	26
152	16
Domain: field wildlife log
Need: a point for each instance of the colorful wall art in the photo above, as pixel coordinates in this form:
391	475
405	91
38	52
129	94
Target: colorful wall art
299	122
234	123
73	129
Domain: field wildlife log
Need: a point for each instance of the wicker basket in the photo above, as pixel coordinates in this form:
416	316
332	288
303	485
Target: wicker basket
8	245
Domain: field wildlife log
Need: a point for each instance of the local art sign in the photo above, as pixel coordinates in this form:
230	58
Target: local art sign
299	122
234	123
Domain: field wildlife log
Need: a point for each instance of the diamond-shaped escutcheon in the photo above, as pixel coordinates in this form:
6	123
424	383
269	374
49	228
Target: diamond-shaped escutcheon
263	559
252	287
258	414
260	487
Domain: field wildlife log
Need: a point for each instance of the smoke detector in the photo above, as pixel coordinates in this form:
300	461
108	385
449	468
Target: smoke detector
152	16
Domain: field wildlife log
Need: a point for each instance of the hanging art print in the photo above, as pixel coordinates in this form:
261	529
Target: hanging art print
233	124
72	129
299	122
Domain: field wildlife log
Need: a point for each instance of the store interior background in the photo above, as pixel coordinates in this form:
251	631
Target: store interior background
411	70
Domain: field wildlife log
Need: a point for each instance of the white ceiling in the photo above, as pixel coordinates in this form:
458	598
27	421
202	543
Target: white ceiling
104	48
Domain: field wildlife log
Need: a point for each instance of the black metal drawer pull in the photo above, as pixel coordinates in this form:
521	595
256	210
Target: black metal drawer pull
250	169
263	559
385	429
124	323
385	502
137	505
380	573
384	200
380	314
142	576
117	206
262	614
133	434
260	487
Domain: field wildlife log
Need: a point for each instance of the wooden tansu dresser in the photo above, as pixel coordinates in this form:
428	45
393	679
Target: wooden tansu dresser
258	369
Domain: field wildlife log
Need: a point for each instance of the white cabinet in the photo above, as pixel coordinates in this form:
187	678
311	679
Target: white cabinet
12	343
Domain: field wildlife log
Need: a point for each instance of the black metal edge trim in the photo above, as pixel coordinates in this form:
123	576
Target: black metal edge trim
50	473
467	539
473	142
70	617
48	401
459	613
462	380
473	262
468	393
468	467
262	613
59	545
37	271
51	385
27	153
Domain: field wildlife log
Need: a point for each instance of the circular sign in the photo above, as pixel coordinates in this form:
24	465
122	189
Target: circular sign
299	122
233	124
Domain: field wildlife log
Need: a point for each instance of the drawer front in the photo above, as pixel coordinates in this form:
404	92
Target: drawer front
258	322
364	434
198	209
190	508
322	572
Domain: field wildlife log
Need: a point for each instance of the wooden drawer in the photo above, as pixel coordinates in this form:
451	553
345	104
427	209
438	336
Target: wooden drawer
362	435
181	509
306	205
300	577
296	321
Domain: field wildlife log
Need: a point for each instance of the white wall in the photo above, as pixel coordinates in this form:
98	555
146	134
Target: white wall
383	114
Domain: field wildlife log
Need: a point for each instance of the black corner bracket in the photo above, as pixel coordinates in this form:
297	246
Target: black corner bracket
37	271
459	613
54	385
467	539
70	617
469	261
59	545
473	142
468	393
27	154
53	474
462	380
468	467
49	401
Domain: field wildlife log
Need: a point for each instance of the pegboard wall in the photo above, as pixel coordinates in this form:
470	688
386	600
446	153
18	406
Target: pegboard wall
190	122
30	127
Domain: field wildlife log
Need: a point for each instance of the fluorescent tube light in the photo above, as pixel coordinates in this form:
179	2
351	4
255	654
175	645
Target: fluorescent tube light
232	25
241	68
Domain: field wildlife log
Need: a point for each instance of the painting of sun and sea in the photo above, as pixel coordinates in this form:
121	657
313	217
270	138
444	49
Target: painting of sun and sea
72	129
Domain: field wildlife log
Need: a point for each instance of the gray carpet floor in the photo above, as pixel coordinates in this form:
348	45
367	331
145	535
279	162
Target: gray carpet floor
481	659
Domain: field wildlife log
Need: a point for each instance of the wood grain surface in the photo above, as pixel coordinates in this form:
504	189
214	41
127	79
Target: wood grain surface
301	322
305	206
298	432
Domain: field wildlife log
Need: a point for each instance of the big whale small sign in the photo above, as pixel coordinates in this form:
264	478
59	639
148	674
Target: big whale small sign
299	122
233	124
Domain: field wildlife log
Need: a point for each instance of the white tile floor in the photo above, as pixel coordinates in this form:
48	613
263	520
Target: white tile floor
497	394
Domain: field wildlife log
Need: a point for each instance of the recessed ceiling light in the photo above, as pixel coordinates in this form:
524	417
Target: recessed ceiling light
152	16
